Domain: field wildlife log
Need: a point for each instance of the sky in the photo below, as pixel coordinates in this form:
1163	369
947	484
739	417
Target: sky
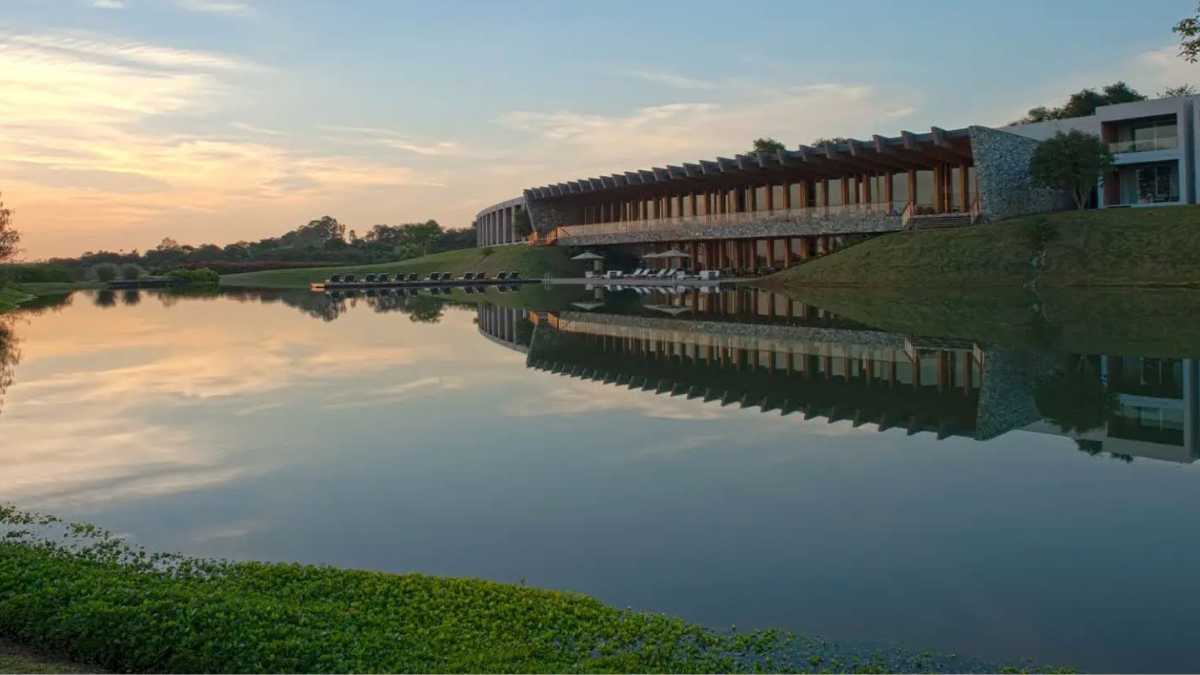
126	121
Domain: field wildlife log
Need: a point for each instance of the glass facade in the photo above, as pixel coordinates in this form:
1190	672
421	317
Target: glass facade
1147	135
1155	183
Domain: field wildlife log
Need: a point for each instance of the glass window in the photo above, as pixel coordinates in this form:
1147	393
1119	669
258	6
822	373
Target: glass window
1158	183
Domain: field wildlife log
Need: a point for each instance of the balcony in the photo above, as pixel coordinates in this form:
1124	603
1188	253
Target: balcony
1144	145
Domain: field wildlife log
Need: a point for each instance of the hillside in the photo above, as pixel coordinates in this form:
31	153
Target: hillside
1111	247
531	262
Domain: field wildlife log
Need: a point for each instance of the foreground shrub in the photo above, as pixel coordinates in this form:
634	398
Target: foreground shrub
78	591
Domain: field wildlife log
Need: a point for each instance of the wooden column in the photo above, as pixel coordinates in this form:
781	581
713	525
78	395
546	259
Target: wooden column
787	195
695	203
866	189
825	191
787	252
770	203
887	186
845	190
770	252
912	185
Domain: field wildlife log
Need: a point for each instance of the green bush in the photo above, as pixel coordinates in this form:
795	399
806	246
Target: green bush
486	251
197	277
105	272
131	272
78	591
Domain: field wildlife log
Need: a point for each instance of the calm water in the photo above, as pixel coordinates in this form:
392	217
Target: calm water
615	444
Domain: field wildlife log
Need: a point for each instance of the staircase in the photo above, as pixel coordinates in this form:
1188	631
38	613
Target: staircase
936	220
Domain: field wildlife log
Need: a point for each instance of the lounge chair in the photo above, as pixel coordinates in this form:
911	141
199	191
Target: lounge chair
468	276
335	279
482	276
514	275
502	276
350	278
413	276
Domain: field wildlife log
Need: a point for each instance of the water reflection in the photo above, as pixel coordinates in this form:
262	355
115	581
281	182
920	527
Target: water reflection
764	350
859	467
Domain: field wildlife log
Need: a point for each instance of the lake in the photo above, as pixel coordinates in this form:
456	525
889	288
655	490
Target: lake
1011	478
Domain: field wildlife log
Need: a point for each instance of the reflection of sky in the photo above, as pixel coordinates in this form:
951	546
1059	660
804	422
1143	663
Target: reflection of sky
252	430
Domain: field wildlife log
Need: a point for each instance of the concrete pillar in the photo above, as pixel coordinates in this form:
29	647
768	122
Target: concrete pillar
912	185
964	186
887	187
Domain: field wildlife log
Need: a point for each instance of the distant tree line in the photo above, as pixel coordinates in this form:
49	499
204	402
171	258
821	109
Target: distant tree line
323	241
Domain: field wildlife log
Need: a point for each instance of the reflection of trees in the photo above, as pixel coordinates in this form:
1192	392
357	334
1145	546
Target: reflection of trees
10	355
131	296
424	309
105	298
1073	397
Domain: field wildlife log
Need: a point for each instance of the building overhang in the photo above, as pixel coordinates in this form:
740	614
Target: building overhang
881	154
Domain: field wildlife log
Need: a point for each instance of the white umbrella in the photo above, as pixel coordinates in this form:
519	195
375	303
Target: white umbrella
588	255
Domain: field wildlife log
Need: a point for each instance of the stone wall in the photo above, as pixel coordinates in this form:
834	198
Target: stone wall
546	214
1005	186
767	226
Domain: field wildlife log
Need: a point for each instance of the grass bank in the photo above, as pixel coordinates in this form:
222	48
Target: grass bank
1111	247
11	297
79	592
529	261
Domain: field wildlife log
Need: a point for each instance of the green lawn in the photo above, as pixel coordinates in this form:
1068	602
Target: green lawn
10	297
531	262
1110	247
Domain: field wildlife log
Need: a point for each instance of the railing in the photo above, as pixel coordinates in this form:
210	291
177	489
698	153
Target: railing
740	218
1144	145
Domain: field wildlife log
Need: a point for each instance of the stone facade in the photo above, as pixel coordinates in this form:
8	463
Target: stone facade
545	214
1005	186
767	227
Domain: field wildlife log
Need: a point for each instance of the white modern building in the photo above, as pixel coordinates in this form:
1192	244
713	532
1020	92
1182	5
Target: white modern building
1153	142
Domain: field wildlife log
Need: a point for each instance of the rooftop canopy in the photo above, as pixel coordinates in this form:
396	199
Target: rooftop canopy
900	153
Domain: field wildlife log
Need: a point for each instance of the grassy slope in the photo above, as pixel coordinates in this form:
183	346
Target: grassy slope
530	262
1112	247
11	297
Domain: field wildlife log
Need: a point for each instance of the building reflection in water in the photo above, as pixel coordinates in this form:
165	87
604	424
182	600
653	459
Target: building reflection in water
758	349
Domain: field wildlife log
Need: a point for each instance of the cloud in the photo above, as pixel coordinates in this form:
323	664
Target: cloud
108	4
229	7
391	139
672	80
94	145
575	143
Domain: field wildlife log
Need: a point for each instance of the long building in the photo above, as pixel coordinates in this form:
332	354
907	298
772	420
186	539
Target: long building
772	210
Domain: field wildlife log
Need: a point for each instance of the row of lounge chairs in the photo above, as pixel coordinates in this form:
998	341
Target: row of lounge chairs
413	277
665	273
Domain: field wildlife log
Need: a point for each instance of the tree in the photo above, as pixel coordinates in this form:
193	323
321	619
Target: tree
1181	90
1072	161
9	237
131	272
836	140
768	145
1073	397
1084	102
105	272
1188	30
524	226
